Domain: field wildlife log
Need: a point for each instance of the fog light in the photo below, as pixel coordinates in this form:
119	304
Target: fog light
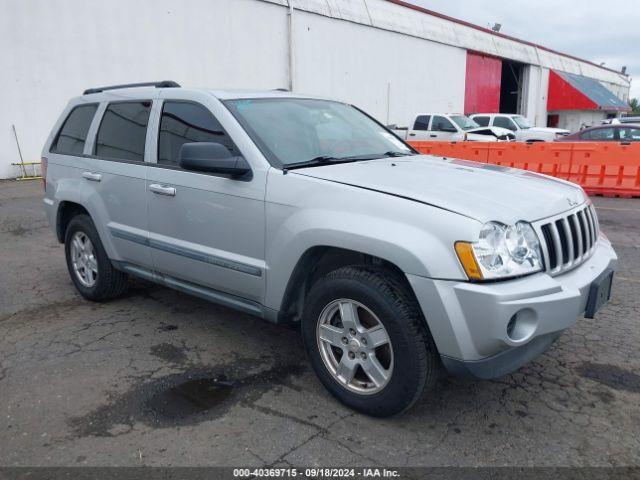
522	325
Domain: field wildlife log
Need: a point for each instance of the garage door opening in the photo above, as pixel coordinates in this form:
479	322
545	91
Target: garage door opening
511	87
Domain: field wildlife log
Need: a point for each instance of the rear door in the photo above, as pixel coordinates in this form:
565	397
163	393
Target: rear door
205	229
420	129
116	168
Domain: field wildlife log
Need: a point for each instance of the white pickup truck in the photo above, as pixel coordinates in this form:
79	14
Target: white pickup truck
451	128
520	126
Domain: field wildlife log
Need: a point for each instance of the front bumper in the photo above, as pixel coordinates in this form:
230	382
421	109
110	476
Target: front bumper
470	322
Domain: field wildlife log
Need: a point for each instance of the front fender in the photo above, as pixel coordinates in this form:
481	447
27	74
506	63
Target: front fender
417	238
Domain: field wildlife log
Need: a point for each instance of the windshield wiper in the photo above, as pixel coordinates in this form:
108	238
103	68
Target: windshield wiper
317	161
397	154
326	159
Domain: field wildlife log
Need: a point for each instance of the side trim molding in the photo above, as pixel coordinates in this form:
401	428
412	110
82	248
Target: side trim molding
215	296
186	252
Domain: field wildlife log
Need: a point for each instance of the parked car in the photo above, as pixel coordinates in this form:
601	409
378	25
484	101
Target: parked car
615	121
520	126
452	128
304	210
619	132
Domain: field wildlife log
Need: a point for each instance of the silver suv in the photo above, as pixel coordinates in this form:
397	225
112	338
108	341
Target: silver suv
299	209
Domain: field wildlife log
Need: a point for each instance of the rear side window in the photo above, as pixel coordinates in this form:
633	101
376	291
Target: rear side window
73	134
123	131
422	122
599	134
185	122
482	121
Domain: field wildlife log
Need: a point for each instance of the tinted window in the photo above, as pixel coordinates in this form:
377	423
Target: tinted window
73	134
441	124
182	123
422	122
629	134
504	122
601	134
482	121
123	131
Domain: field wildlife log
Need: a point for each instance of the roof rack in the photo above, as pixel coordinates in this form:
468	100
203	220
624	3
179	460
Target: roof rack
162	84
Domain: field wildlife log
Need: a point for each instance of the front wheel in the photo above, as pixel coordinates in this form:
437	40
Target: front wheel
368	342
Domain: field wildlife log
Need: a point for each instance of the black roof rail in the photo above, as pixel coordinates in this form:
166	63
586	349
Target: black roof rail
162	84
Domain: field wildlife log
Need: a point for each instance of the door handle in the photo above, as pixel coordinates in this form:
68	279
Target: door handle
433	136
412	134
162	190
92	177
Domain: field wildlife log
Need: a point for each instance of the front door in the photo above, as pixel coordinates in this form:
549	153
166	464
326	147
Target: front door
443	130
204	229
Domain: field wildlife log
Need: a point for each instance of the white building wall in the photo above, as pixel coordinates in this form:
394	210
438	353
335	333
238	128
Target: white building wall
389	60
51	50
393	77
574	119
536	81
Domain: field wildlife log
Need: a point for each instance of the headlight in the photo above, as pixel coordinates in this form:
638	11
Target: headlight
502	251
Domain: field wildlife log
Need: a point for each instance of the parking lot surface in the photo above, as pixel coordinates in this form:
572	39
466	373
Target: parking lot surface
161	378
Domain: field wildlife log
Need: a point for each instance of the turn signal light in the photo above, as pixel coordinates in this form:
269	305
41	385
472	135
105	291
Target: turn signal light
468	260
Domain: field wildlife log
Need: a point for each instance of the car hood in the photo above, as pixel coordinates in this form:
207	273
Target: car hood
496	130
479	137
481	191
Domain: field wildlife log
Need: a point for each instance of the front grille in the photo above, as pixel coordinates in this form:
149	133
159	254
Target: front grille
569	239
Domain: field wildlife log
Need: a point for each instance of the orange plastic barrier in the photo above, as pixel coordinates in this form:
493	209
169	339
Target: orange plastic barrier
608	169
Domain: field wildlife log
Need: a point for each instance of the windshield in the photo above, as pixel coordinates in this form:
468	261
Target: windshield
522	122
292	130
463	122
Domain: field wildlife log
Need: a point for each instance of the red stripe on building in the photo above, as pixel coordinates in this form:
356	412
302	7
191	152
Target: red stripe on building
564	96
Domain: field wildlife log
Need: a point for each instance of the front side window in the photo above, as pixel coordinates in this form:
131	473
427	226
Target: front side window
441	124
630	134
291	130
482	121
504	122
522	122
422	122
73	134
464	122
123	131
185	122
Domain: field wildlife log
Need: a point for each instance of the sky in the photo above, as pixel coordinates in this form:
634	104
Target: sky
596	30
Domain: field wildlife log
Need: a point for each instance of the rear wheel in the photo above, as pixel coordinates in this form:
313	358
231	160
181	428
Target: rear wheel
91	270
368	342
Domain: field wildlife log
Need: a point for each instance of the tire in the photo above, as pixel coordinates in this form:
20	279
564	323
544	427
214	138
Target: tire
379	297
103	282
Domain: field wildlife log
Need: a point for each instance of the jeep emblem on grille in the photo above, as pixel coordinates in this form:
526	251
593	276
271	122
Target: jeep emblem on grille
572	203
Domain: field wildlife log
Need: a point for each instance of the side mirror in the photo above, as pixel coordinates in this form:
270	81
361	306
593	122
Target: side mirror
213	158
